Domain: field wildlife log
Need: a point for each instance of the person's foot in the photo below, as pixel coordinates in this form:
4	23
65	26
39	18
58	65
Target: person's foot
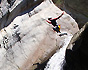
59	32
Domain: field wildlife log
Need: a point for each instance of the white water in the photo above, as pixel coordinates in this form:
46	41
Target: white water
56	61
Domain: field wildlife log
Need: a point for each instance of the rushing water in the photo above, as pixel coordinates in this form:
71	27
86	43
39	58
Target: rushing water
56	61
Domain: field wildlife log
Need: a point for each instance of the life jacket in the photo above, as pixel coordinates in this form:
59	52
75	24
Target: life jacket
59	27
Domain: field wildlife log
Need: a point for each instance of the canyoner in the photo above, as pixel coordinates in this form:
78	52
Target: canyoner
52	21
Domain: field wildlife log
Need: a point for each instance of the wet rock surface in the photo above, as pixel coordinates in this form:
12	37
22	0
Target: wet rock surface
78	9
77	51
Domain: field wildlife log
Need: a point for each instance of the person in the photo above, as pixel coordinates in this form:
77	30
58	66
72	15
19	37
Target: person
53	21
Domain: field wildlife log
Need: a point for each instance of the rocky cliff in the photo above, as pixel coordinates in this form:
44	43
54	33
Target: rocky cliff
26	38
78	9
77	51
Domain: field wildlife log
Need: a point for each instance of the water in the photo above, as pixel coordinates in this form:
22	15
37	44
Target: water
56	61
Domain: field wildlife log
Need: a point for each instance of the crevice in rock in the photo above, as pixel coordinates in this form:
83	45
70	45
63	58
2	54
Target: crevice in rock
1	12
11	2
41	66
17	33
5	41
16	37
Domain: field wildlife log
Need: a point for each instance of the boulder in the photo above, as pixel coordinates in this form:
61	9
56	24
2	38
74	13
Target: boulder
18	8
78	9
29	39
77	51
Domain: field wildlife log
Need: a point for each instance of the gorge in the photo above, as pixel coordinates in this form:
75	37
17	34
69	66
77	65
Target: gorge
26	38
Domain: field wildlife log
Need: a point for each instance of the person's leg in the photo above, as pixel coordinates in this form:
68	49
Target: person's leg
54	29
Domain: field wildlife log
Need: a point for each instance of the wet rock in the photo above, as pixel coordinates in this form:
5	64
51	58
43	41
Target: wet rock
78	9
77	51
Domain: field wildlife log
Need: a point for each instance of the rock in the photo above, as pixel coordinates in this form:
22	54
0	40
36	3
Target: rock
29	39
78	9
18	7
77	51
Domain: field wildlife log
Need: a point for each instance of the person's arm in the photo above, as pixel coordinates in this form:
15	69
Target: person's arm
58	17
48	21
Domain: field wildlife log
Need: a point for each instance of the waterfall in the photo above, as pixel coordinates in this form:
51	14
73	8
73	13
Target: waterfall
56	61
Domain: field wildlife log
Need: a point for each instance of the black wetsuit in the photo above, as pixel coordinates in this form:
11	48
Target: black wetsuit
11	2
53	22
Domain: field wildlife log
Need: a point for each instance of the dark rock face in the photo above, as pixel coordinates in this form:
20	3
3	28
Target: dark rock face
77	57
78	9
59	3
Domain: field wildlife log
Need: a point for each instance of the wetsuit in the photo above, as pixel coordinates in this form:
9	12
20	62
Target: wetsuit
53	22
